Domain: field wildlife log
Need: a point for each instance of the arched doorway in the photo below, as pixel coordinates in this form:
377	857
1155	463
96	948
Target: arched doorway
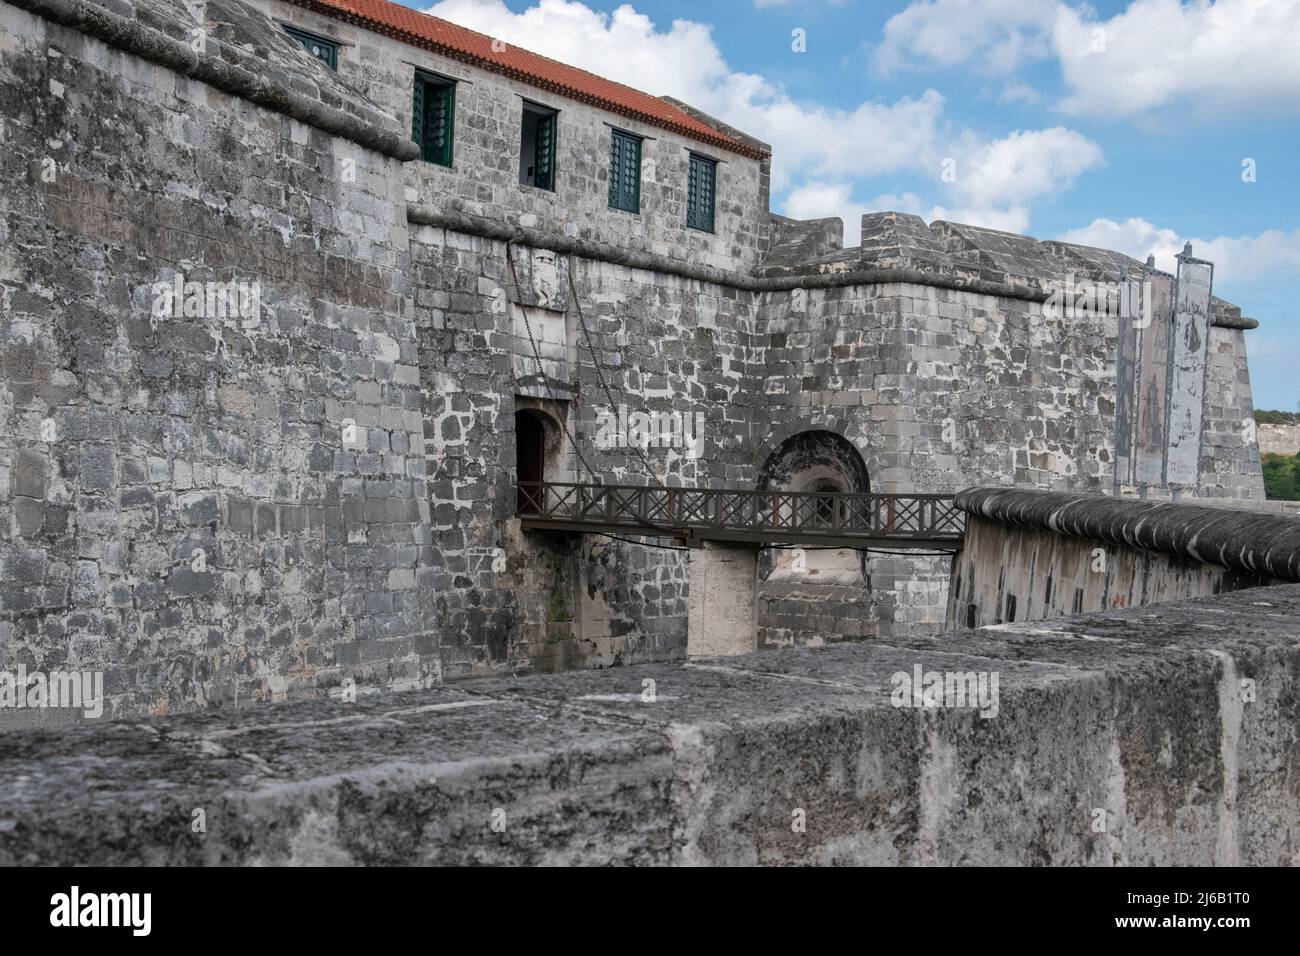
815	460
530	457
818	461
828	586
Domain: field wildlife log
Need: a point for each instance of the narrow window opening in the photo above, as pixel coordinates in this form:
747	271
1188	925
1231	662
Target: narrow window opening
433	117
530	460
327	51
537	147
625	171
700	191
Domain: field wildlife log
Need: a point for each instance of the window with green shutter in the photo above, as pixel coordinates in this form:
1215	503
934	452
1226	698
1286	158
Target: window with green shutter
327	51
537	146
433	117
625	171
700	191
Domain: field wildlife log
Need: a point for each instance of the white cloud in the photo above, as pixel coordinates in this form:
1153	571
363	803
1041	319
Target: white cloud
624	45
1274	253
1135	237
1007	219
1025	165
996	36
817	200
1228	53
813	145
1242	52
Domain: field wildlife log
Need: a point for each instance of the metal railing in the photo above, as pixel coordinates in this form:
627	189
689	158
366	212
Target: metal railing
726	514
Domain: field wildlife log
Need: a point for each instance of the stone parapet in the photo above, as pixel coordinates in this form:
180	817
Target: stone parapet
1162	736
239	51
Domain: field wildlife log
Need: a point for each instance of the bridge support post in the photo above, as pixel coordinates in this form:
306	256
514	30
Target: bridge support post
722	616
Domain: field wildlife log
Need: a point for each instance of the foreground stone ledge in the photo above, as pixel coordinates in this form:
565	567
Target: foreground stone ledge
1136	716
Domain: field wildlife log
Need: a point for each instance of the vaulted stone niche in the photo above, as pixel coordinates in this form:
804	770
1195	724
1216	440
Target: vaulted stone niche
815	460
836	580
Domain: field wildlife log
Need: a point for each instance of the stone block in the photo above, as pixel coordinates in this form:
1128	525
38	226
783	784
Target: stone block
29	473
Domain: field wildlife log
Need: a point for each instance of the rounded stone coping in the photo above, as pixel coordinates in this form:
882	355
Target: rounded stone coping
229	69
1226	321
1255	543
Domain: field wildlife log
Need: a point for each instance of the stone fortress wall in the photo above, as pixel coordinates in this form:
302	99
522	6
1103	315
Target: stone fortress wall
180	510
663	343
1279	439
211	510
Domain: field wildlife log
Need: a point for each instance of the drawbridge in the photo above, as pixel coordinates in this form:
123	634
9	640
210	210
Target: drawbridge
696	515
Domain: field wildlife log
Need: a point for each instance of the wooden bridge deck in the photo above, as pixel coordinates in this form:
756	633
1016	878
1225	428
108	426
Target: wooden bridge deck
922	522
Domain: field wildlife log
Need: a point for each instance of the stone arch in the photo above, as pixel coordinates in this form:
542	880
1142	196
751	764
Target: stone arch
814	459
811	595
538	450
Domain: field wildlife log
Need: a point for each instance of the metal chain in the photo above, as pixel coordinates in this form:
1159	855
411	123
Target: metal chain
595	363
541	369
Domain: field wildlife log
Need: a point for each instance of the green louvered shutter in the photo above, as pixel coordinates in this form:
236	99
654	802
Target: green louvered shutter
700	193
417	113
615	170
433	120
625	172
544	159
440	121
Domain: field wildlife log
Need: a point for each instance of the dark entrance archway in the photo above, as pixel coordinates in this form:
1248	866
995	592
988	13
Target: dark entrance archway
530	454
815	460
822	583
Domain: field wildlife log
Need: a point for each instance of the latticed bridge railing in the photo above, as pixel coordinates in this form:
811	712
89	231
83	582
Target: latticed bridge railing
762	517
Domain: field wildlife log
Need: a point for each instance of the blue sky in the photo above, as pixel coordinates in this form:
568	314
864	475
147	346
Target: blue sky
1119	124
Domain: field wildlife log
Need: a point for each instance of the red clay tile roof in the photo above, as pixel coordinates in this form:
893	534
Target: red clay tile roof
442	36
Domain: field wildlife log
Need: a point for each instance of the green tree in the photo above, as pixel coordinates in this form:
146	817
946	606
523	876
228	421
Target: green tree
1281	477
1265	416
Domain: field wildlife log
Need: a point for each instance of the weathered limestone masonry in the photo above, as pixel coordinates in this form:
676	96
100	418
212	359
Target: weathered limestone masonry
267	506
1036	555
722	607
1279	439
1173	741
663	343
204	509
971	374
